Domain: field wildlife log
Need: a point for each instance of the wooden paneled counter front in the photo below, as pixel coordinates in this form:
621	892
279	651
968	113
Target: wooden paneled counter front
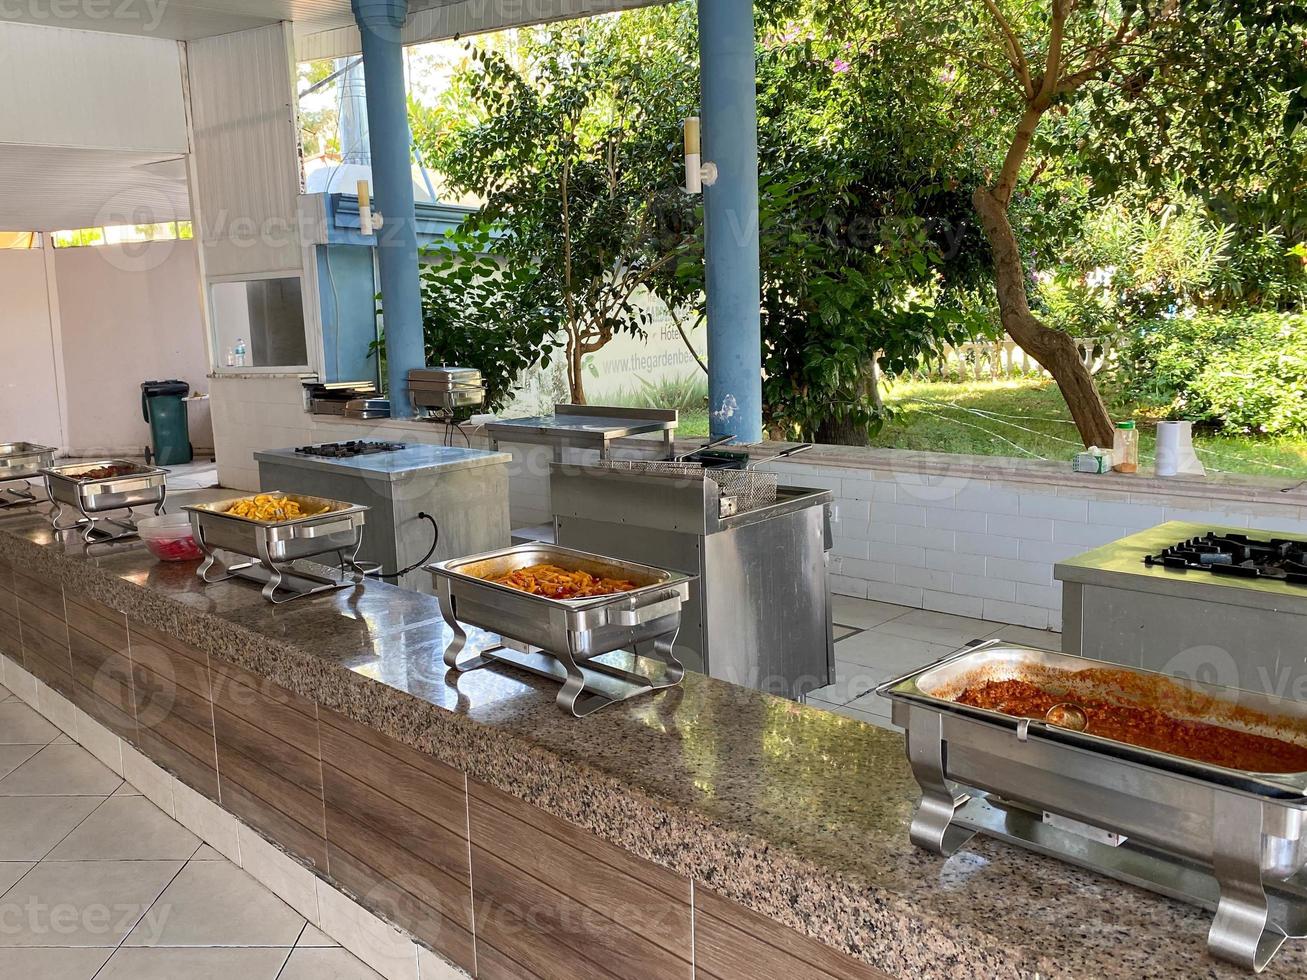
706	832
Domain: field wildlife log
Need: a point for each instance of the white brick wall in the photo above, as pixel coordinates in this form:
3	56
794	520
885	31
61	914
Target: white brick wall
960	537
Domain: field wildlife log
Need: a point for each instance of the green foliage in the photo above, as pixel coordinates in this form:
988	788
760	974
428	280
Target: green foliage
482	312
570	138
1246	373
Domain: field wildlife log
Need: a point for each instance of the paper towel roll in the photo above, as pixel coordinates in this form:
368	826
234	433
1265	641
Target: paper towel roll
1175	450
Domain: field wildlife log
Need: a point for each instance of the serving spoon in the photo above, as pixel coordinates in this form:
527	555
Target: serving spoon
1067	715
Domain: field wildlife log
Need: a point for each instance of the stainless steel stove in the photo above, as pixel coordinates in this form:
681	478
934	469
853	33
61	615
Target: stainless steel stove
350	450
1216	604
1239	555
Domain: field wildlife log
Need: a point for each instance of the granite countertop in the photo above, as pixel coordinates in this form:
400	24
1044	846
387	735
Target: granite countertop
413	459
1120	564
797	813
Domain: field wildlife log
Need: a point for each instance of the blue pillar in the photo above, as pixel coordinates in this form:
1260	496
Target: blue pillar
728	76
380	23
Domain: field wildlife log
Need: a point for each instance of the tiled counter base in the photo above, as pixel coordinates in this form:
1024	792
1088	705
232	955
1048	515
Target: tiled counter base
435	824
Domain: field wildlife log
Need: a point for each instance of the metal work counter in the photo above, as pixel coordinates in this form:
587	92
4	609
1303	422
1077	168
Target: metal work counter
585	427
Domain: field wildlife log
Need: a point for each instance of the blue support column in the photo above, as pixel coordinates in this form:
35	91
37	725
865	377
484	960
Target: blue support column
380	23
728	74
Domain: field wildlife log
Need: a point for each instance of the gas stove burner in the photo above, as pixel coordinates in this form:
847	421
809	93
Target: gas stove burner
1239	555
348	450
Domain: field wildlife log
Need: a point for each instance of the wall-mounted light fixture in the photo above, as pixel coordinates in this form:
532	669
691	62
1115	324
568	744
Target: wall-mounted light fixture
697	173
369	220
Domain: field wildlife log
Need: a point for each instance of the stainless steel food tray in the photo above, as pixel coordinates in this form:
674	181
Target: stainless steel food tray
94	497
329	526
21	461
644	621
1225	839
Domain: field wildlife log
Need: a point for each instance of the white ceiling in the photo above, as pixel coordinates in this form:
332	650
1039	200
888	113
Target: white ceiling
56	188
187	20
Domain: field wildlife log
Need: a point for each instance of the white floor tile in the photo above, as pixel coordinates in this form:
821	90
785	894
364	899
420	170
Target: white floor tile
194	964
1039	639
863	613
851	681
13	756
884	655
10	872
215	903
313	936
307	963
52	963
127	828
31	825
940	628
61	770
82	903
20	724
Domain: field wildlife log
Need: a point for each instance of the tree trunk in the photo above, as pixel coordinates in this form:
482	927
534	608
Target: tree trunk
575	381
1053	349
840	432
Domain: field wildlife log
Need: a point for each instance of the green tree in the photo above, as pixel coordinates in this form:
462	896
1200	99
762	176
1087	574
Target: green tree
570	141
1119	91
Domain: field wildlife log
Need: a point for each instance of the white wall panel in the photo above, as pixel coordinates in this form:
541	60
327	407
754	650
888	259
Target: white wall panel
90	89
247	164
29	389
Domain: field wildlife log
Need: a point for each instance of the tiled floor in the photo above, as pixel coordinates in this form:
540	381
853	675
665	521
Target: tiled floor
876	641
96	881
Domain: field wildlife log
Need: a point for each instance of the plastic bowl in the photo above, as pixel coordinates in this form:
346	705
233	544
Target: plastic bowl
169	537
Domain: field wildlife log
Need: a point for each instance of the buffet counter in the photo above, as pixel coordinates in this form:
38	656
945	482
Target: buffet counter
709	830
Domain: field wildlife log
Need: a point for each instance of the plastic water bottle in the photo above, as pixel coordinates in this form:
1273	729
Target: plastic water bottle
239	352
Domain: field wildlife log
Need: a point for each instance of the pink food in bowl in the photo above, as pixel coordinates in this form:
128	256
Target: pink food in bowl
169	538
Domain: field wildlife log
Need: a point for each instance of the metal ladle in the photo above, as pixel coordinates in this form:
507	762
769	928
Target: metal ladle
1067	715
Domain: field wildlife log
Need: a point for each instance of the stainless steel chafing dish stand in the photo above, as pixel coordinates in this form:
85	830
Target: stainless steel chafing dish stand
1230	841
21	462
562	638
277	553
95	498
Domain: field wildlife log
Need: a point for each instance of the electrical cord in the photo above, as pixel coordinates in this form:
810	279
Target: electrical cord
435	540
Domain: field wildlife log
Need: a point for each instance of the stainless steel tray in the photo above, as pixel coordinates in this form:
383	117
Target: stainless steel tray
328	525
939	683
1223	839
600	624
93	497
23	460
644	621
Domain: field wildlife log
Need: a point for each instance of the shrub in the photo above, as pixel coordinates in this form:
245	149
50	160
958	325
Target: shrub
1244	372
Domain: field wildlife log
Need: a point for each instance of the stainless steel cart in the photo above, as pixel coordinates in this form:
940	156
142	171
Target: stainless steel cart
276	552
561	638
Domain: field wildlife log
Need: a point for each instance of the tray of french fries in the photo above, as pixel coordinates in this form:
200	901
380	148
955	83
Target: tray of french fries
276	526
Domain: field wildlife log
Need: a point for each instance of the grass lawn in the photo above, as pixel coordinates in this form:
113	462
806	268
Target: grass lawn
1028	418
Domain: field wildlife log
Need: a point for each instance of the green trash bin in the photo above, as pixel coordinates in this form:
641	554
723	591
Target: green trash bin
163	407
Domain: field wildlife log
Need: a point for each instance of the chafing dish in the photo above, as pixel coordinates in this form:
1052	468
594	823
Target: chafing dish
570	632
273	548
446	388
1228	840
19	463
94	497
